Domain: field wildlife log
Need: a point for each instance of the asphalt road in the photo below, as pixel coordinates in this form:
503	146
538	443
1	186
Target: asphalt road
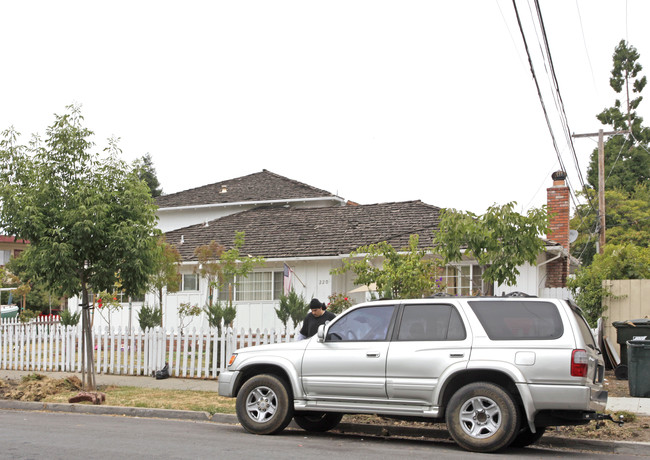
38	435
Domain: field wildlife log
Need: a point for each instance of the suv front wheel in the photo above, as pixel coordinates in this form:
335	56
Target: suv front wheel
263	405
482	417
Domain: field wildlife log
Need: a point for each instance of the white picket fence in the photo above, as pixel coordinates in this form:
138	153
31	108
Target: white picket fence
47	346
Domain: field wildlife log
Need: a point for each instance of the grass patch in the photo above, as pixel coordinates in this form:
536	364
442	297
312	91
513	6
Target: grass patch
207	401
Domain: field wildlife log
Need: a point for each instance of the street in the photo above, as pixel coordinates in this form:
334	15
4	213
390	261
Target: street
29	435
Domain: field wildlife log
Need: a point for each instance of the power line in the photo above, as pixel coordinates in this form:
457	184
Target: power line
558	101
556	86
584	41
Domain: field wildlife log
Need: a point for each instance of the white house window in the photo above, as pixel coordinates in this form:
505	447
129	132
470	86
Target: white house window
4	257
257	286
190	282
465	280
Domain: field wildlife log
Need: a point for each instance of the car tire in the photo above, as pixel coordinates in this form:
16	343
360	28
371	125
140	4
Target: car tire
482	417
263	405
317	421
527	437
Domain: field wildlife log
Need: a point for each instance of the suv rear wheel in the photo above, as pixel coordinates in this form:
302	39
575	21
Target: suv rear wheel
263	405
482	417
317	421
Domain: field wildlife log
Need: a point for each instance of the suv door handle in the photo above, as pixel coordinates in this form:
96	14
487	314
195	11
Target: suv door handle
457	355
372	354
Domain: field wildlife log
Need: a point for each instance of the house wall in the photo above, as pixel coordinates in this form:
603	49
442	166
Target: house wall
527	282
311	278
178	218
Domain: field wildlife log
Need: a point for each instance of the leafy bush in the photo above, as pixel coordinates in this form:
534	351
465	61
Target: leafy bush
68	318
27	315
216	313
338	303
616	263
149	317
292	307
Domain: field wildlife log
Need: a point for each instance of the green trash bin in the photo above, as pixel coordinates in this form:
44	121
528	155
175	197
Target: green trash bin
639	367
627	330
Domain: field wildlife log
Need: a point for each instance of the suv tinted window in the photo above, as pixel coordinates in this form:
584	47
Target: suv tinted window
431	322
511	320
587	336
363	324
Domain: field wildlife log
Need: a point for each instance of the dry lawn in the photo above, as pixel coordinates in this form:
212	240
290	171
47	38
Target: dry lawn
41	388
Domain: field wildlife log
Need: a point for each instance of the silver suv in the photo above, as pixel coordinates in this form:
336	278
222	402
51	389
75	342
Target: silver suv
497	370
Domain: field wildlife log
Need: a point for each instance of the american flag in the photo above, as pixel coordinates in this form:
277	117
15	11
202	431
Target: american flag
287	279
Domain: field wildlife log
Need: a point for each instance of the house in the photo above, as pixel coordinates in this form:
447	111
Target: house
311	231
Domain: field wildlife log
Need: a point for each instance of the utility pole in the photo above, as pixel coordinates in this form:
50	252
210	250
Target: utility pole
601	181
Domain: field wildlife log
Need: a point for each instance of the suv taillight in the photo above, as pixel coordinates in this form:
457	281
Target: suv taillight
579	360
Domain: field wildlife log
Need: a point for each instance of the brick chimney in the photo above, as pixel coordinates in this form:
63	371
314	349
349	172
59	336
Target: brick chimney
557	198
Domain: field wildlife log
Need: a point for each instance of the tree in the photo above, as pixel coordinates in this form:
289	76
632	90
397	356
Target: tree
90	220
209	266
404	274
617	262
627	166
147	172
500	240
627	162
628	221
221	267
165	274
186	311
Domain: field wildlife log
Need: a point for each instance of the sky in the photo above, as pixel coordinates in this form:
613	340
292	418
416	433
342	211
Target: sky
372	100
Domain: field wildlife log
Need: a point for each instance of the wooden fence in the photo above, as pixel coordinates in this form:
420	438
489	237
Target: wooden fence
49	346
630	300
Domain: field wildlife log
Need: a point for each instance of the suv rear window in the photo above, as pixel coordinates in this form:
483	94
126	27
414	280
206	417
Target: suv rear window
517	320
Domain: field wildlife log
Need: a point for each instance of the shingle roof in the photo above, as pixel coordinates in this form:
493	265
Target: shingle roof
286	232
260	186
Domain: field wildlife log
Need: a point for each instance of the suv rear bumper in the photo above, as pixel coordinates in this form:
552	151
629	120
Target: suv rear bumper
568	398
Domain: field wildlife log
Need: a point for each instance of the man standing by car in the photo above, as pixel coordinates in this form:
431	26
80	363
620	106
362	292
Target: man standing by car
317	316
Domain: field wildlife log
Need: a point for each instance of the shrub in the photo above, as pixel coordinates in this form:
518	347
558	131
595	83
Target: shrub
338	303
68	318
149	317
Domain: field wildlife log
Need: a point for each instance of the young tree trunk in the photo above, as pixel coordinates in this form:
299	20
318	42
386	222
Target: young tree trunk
87	354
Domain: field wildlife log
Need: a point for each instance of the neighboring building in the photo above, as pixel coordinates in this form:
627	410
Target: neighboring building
311	231
10	247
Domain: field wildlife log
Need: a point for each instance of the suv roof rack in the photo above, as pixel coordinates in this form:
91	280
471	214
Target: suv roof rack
517	294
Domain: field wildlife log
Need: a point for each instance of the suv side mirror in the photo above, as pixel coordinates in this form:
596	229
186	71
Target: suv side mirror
321	333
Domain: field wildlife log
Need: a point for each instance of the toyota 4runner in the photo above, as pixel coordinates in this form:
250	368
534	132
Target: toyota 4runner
496	370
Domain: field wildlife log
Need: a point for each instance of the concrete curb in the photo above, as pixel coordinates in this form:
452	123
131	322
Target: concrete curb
592	445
